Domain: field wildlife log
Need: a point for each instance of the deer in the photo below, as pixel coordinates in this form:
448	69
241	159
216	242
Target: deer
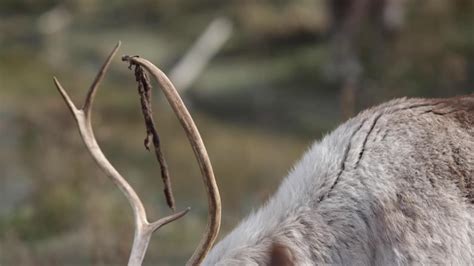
391	186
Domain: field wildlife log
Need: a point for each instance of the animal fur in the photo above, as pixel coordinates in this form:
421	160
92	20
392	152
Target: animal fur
391	186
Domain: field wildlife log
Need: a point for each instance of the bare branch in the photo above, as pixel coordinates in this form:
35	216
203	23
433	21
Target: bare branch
214	202
187	70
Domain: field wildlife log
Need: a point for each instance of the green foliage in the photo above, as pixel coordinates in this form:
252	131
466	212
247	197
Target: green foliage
47	215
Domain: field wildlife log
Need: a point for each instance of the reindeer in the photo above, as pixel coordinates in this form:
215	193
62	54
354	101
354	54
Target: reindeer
393	185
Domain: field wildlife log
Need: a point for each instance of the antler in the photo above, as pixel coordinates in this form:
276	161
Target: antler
214	201
143	228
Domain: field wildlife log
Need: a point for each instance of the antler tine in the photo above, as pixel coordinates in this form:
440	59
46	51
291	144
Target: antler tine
98	79
214	201
66	97
166	220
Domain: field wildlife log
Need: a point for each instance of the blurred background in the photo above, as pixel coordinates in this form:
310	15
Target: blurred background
263	79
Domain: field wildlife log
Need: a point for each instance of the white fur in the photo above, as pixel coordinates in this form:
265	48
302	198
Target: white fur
374	191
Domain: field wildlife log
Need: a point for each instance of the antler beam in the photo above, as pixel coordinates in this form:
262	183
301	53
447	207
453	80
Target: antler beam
214	201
